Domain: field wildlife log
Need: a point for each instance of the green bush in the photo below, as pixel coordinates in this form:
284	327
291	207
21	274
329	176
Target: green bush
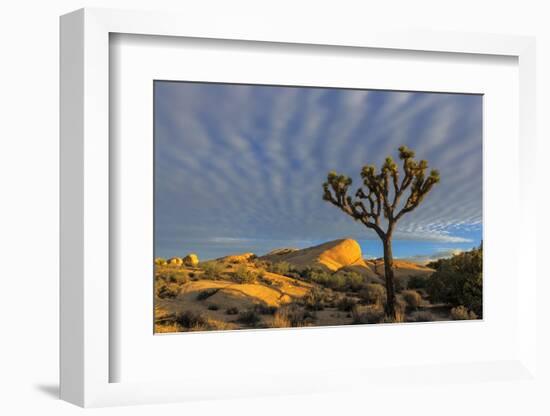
461	313
341	281
417	282
281	267
458	281
212	270
242	275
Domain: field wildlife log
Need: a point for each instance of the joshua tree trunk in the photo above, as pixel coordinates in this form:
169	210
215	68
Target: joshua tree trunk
380	195
388	271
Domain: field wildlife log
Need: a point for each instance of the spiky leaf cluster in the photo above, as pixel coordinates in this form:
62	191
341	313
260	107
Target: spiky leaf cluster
382	190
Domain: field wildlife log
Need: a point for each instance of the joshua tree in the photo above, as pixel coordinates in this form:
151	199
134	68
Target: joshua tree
380	195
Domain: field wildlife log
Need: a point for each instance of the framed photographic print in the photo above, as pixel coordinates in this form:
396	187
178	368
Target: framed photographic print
287	211
246	179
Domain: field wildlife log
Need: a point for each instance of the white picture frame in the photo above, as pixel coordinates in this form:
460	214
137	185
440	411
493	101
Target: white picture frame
86	356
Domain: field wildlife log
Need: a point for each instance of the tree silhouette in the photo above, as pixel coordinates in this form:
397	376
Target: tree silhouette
381	195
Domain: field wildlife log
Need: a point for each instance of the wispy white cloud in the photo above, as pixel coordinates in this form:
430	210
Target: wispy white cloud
248	162
440	254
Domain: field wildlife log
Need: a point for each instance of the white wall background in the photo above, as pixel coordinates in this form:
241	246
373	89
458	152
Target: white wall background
29	200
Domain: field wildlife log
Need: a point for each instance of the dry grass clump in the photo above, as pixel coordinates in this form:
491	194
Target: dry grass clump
314	300
280	320
373	293
371	314
292	315
461	313
196	321
412	298
400	307
163	328
171	275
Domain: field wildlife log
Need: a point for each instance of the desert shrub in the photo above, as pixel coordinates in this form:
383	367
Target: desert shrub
260	264
264	309
191	319
167	327
179	278
399	317
212	270
232	310
458	280
358	318
422	316
205	294
340	281
417	282
346	304
281	267
196	321
374	313
295	316
461	313
413	298
346	281
354	281
249	317
371	314
167	291
373	293
399	284
213	307
314	300
280	320
242	275
319	276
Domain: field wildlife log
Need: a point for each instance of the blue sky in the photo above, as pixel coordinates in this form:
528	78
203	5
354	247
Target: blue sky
240	167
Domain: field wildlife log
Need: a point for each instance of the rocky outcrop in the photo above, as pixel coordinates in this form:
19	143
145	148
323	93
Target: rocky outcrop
191	260
335	255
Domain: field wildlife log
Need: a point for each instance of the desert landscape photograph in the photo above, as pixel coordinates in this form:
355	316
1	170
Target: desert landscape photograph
293	207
